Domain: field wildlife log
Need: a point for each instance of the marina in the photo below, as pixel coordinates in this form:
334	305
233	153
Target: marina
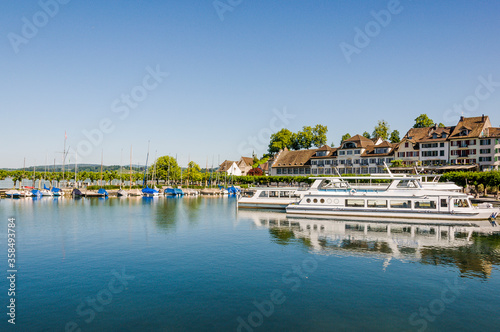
202	256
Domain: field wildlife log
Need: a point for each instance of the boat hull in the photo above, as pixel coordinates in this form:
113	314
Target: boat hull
367	214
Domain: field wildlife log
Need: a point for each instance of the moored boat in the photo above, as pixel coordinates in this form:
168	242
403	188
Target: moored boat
397	197
270	198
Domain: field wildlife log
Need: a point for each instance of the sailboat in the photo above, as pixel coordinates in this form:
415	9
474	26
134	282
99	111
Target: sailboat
121	192
101	192
146	191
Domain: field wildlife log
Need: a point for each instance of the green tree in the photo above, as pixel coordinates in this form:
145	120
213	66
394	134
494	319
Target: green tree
280	140
423	121
367	134
345	137
319	135
381	130
167	169
395	137
193	172
441	125
305	138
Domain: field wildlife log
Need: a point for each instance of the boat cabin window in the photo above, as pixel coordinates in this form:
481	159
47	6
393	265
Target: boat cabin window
461	203
407	184
355	202
444	202
400	204
264	194
425	204
274	194
285	194
377	203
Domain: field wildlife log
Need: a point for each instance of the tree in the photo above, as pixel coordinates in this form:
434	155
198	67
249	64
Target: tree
423	121
441	125
305	138
280	140
381	130
395	137
193	172
319	135
367	135
345	137
167	168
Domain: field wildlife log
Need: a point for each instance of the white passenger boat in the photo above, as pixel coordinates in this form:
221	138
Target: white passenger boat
271	198
399	197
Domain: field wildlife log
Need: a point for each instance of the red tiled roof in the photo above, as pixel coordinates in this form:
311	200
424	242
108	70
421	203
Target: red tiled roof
474	125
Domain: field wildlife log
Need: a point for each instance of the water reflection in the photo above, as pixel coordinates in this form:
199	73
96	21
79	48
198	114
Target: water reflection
474	251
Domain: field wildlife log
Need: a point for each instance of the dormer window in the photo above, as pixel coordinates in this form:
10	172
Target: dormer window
434	135
320	153
464	132
349	145
444	135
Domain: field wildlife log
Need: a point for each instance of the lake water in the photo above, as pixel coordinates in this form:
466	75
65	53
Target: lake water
196	264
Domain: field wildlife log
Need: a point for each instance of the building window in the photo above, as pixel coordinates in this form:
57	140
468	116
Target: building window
441	144
484	159
315	171
278	171
308	171
406	144
485	141
441	153
301	170
341	153
349	152
357	151
485	151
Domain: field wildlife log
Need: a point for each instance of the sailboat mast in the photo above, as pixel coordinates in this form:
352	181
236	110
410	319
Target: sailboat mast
64	154
76	169
144	183
121	168
130	183
100	181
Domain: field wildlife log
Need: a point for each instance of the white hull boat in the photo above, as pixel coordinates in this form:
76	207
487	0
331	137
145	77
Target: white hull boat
401	198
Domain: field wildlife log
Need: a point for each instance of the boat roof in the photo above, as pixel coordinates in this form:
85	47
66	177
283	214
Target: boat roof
377	177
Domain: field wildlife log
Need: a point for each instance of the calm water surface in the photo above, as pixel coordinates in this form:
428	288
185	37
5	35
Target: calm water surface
196	264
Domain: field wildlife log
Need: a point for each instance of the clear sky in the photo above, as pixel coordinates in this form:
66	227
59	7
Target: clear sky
204	82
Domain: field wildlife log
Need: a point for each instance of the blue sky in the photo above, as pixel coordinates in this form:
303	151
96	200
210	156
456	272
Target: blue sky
229	78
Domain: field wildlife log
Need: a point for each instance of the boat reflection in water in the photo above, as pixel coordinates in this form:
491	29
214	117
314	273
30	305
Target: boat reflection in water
473	250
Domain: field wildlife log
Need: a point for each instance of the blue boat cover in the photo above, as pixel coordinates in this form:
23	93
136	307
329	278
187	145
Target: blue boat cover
102	191
36	192
45	187
148	190
55	190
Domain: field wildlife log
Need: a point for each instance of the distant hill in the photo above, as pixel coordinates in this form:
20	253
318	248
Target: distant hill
81	168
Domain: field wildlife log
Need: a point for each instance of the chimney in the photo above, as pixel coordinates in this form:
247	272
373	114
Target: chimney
483	118
462	118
